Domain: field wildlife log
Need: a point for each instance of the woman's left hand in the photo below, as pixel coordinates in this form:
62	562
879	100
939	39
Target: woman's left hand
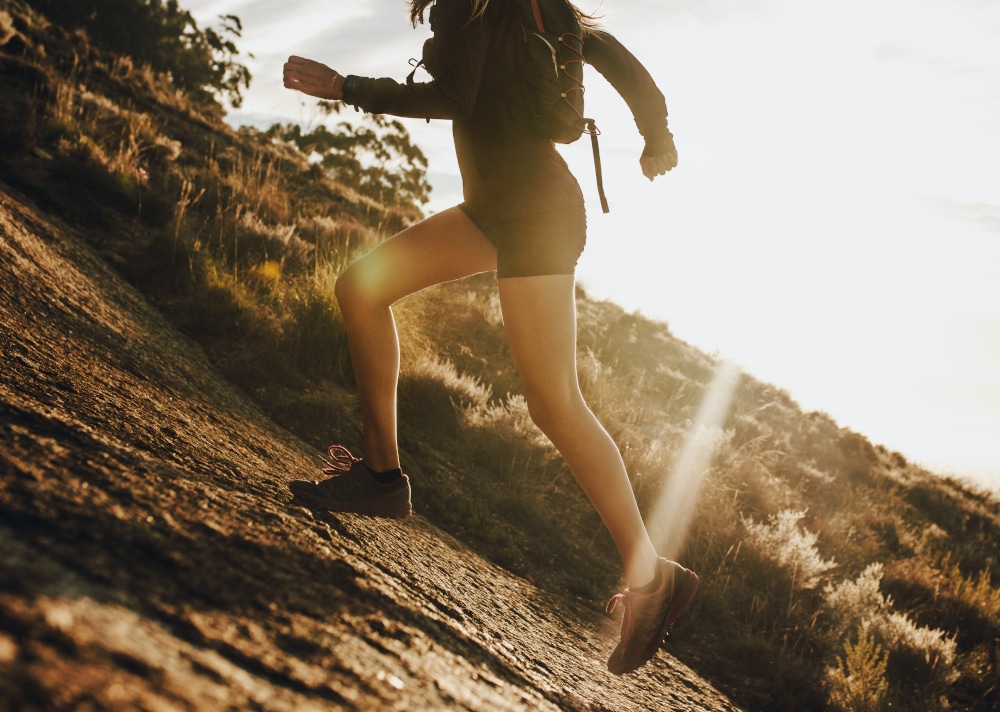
313	78
653	166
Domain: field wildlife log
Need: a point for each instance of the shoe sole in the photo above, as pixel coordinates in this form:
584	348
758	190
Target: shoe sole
381	510
684	592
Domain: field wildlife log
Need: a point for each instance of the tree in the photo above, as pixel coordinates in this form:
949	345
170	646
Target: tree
375	157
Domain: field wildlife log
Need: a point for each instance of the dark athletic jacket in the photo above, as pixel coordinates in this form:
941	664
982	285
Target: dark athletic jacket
507	170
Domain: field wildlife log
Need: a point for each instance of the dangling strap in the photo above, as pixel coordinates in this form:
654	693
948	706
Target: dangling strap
594	133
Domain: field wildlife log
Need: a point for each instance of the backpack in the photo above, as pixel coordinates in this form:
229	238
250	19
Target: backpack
552	90
553	86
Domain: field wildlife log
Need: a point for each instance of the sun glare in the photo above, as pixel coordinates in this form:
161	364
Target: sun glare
671	517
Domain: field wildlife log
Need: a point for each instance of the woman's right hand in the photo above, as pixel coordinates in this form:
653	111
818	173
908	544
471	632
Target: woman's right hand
313	78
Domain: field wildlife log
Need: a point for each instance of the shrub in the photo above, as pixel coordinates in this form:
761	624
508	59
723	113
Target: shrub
921	660
502	437
858	682
792	548
436	397
854	601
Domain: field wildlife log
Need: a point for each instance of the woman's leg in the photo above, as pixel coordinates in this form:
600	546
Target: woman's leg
441	248
540	320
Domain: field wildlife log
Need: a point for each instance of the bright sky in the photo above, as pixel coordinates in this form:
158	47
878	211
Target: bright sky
834	223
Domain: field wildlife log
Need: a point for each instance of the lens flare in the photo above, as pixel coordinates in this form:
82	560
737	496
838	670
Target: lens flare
669	520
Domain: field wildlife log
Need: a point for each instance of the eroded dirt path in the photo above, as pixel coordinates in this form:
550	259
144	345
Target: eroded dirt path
150	557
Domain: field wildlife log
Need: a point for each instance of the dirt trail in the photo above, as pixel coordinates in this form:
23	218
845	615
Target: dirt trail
150	559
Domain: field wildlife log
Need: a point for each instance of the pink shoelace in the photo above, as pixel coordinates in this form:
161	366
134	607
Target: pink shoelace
338	460
615	600
626	629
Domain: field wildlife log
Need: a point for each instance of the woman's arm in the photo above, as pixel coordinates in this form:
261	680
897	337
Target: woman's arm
635	85
459	53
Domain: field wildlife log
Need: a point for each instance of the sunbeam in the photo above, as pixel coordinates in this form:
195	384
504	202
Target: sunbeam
669	520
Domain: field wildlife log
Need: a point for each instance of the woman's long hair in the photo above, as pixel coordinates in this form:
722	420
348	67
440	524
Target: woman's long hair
478	7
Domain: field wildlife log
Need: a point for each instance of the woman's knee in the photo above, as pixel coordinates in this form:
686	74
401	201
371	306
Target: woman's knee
358	292
552	408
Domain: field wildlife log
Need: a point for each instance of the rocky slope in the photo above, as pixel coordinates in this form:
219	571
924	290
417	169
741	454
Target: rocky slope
151	558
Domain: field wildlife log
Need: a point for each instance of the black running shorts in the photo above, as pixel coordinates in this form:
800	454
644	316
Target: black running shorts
541	243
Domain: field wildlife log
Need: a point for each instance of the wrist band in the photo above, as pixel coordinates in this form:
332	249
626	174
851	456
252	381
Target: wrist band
351	88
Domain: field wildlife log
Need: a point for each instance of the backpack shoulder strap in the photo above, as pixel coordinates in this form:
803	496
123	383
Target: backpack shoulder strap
536	12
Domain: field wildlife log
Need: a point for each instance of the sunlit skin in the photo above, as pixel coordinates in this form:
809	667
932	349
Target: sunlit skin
539	316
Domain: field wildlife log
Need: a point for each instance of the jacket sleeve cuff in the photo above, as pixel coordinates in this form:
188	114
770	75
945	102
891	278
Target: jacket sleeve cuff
659	140
353	89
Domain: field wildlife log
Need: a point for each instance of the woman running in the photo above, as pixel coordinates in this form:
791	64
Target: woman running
523	216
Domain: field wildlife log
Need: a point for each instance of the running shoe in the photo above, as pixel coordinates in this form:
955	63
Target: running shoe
648	616
353	488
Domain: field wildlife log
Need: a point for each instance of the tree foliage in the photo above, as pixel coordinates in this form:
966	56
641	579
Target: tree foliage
375	156
164	36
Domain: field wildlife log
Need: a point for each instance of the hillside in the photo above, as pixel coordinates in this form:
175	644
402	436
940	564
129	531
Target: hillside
172	355
151	558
